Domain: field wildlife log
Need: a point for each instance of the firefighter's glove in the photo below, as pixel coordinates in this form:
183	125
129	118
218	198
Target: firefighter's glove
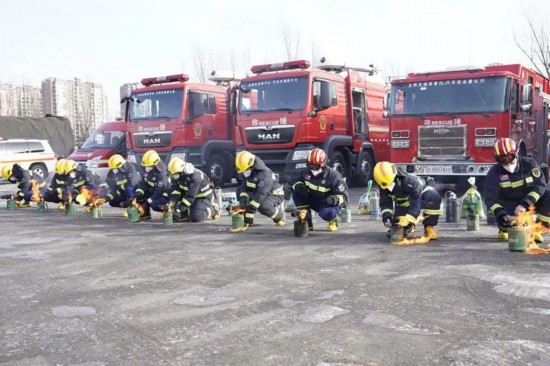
6	196
387	220
332	200
302	191
504	221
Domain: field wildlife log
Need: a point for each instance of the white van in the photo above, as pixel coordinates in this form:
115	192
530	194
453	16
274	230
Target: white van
34	155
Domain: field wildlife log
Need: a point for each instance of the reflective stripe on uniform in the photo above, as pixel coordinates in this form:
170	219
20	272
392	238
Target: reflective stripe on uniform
150	200
296	184
529	180
183	187
110	196
204	194
276	213
432	212
515	184
303	207
388	210
543	218
244	194
279	191
150	183
255	204
249	215
317	188
186	202
494	207
428	188
341	200
535	195
176	192
122	182
404	204
251	185
140	190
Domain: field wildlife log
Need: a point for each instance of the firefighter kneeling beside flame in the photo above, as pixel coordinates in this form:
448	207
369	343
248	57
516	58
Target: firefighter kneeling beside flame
409	194
513	185
23	178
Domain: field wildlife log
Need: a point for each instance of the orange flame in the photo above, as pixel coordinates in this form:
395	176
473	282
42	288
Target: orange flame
413	241
302	214
527	220
36	196
89	197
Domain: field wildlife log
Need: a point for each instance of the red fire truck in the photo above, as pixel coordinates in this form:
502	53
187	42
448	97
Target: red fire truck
187	120
444	124
286	109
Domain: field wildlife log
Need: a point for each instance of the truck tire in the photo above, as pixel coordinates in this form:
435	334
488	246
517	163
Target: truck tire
365	169
39	169
217	170
338	162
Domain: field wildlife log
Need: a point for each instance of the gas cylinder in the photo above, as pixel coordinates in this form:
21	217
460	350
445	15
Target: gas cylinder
70	208
452	207
345	215
301	229
397	234
168	218
374	205
11	204
41	206
133	214
472	223
237	221
517	238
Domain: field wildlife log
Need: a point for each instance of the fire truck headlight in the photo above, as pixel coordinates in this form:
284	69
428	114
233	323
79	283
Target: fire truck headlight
179	155
400	144
485	142
93	163
300	155
132	159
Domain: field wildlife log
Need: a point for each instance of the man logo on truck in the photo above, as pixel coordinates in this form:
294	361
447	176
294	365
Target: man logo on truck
151	141
269	136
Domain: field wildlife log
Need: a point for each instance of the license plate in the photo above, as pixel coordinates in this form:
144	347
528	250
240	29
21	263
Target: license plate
435	169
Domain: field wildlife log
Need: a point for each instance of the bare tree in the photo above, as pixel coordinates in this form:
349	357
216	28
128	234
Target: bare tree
537	47
291	41
200	62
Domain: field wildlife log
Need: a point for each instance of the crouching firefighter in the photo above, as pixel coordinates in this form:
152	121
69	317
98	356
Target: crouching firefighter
151	192
403	195
513	185
191	193
24	181
321	189
260	190
77	178
54	193
122	181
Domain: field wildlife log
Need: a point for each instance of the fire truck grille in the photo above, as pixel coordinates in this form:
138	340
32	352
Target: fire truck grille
441	141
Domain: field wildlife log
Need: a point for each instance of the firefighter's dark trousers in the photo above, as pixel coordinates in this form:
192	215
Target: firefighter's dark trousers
326	212
430	204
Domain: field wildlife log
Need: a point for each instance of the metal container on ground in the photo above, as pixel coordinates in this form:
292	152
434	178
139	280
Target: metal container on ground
168	218
96	212
397	234
301	229
11	204
237	221
345	215
472	223
133	214
41	206
517	238
452	207
70	209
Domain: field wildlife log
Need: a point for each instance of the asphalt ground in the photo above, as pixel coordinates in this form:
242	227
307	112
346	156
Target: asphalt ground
84	291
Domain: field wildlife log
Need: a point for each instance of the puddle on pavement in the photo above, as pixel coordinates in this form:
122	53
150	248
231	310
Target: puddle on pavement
72	311
202	300
322	314
392	322
28	254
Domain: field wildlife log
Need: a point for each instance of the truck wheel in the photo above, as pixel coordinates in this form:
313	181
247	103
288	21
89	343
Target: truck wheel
338	162
365	168
39	169
216	168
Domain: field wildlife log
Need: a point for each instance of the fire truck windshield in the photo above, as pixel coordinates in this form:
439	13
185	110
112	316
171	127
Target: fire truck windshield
148	105
472	95
104	140
282	94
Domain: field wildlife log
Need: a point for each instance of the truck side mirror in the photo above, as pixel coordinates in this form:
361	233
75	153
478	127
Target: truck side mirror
322	97
386	106
233	102
526	96
195	106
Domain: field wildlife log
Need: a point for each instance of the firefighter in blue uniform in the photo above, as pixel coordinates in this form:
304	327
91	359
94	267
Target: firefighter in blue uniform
151	191
191	192
54	192
78	177
404	195
513	185
24	180
321	189
122	181
260	190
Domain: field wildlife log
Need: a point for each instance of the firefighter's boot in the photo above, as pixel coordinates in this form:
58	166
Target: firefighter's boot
430	232
280	222
61	206
502	235
125	213
332	225
217	211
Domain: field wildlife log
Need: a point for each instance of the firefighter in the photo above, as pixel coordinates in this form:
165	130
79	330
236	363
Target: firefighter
78	177
54	192
122	181
151	191
513	185
403	195
24	180
191	192
321	189
260	190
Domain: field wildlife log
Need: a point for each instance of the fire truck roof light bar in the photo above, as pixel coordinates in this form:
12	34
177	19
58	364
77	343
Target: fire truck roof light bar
181	78
289	65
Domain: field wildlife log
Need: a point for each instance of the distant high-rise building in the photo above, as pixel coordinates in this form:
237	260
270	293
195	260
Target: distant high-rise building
82	102
125	90
21	101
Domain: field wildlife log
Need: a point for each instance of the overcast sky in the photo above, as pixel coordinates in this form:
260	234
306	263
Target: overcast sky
112	42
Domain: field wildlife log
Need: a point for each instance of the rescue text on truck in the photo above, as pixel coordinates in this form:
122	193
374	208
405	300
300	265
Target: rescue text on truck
178	118
286	109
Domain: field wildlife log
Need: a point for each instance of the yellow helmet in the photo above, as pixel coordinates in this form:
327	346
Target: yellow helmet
69	166
384	173
176	166
116	161
7	171
60	166
150	158
244	161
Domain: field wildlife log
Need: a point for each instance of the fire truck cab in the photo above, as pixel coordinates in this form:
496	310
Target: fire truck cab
181	119
286	109
445	123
